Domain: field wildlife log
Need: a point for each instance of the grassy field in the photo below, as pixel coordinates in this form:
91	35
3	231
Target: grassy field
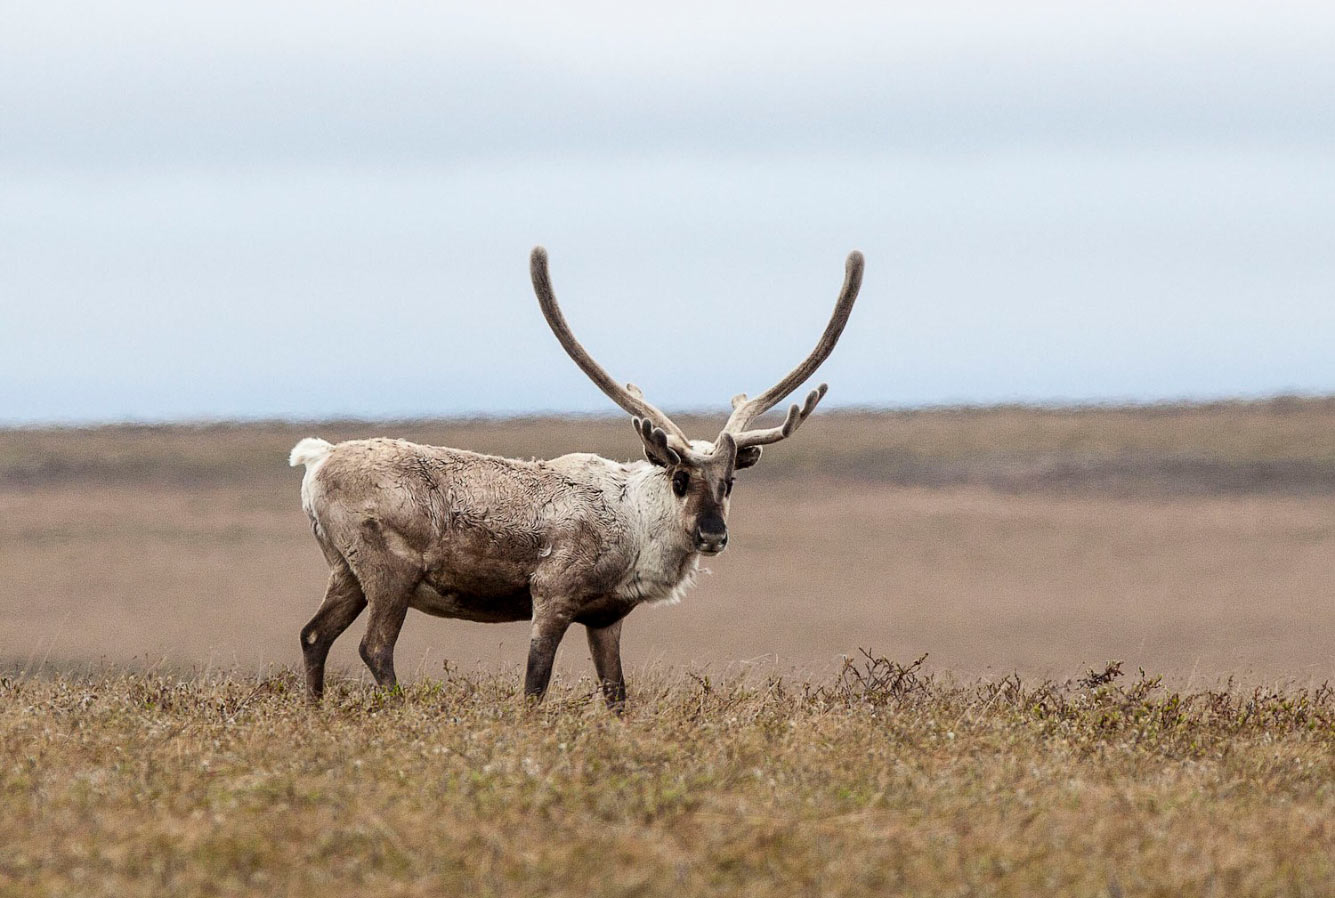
153	740
881	780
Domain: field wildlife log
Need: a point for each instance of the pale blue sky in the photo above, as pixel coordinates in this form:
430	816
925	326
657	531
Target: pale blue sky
244	210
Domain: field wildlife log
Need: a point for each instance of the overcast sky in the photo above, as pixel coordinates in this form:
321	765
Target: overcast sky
254	209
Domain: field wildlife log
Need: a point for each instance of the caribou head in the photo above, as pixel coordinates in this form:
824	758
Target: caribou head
701	472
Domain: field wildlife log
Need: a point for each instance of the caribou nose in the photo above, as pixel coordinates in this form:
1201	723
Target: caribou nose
710	542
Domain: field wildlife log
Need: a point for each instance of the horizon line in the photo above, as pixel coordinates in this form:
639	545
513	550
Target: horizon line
1039	405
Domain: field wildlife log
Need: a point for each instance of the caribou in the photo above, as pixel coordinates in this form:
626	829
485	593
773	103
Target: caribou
578	539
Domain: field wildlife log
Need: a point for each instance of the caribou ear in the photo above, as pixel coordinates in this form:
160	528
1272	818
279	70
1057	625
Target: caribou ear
747	456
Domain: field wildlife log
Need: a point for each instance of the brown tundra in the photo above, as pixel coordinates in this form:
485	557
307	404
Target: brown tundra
578	539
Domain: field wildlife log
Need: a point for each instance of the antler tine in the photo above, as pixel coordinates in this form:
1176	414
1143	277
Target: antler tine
796	415
746	411
629	397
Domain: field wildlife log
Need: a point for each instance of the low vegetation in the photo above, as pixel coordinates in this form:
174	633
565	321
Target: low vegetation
882	780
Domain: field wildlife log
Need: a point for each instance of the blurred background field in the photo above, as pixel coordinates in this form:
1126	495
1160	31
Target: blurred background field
1195	541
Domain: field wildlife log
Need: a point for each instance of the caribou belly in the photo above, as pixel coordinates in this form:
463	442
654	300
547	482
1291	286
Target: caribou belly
493	609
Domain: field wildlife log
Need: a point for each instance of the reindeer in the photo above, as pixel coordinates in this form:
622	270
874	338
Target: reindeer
577	539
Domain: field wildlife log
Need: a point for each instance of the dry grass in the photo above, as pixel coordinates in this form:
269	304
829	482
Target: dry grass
882	780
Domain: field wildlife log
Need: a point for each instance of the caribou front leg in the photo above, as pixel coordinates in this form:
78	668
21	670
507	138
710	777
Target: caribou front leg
605	646
551	619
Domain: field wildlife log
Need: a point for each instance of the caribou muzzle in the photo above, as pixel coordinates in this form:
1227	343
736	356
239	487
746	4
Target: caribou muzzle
711	535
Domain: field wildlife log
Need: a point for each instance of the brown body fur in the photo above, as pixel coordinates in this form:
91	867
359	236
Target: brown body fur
452	533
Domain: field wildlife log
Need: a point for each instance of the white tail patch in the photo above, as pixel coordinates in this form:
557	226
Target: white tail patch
309	451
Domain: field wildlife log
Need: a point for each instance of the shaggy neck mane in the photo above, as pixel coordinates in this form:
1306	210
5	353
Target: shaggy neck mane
665	560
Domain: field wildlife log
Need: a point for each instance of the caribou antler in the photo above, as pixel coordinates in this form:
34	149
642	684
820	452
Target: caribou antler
746	411
653	422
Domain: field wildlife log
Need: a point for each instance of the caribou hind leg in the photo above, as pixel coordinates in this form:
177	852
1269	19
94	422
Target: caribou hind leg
382	631
388	584
388	575
343	601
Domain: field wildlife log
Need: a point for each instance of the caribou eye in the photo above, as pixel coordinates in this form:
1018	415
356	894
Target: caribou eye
680	481
727	488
